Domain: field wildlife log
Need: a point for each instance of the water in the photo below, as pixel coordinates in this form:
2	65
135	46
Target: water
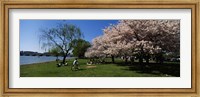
38	59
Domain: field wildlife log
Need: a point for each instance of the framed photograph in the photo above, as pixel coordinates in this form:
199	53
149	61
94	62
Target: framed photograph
100	48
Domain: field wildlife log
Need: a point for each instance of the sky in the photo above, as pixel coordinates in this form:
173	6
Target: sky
30	30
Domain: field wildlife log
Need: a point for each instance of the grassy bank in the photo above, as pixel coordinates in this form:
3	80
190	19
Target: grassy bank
119	69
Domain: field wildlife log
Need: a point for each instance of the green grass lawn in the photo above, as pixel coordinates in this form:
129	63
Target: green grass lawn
119	69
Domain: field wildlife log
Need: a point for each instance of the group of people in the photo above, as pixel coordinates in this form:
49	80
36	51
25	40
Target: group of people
59	64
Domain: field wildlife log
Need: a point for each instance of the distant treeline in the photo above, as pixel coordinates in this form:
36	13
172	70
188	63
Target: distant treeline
32	53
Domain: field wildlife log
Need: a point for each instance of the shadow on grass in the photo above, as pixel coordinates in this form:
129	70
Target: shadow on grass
81	69
172	69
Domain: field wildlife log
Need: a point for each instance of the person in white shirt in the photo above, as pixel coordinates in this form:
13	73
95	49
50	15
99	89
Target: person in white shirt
75	63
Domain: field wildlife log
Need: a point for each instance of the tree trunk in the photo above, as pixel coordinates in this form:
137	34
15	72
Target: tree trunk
161	58
64	57
141	59
113	59
132	60
157	58
147	58
141	56
126	60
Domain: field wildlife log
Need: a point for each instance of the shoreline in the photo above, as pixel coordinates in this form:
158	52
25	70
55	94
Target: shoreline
36	63
36	60
41	63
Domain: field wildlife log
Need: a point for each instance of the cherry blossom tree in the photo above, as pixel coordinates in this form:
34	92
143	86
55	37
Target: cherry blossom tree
97	49
96	52
138	37
118	41
161	34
